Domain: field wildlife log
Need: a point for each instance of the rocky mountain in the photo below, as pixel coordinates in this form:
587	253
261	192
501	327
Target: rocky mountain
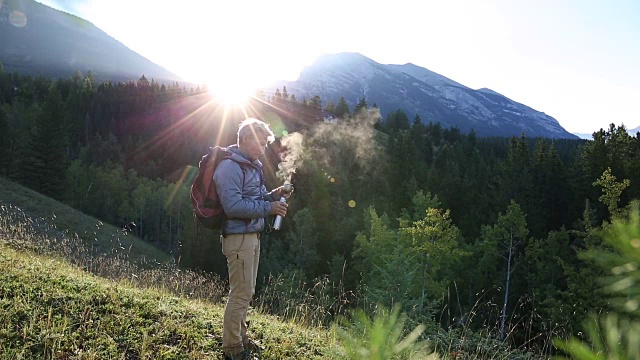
416	90
583	136
36	39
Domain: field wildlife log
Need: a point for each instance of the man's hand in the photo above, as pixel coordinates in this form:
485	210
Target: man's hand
280	191
279	208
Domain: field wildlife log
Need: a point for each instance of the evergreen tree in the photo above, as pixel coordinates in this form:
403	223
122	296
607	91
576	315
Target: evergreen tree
277	97
4	142
330	108
434	242
418	136
314	108
342	109
397	120
371	245
546	262
611	191
515	179
403	155
556	192
48	147
503	241
303	243
388	271
361	105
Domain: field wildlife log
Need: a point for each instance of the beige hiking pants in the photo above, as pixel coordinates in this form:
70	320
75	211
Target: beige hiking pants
243	254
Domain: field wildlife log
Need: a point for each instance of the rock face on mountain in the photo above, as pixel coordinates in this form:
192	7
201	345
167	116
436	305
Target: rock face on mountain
417	90
36	39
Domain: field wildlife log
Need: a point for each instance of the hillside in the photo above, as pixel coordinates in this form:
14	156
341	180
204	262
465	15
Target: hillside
62	299
57	220
36	39
52	310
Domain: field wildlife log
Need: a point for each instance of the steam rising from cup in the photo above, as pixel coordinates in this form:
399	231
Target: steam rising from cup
291	156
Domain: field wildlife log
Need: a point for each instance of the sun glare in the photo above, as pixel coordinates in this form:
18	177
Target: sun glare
230	89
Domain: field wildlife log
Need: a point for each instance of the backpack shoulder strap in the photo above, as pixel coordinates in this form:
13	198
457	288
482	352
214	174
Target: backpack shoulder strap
213	161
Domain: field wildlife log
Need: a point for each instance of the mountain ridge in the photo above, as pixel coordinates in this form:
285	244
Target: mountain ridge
417	90
36	39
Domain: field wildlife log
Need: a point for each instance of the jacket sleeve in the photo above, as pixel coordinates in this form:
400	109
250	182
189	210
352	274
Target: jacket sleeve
229	180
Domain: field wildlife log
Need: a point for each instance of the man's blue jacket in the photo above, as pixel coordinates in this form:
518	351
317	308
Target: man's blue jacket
243	195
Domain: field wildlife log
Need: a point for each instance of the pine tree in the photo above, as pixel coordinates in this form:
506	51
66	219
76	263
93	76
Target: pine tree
546	262
515	178
303	243
611	192
503	241
330	108
4	142
434	242
342	108
556	192
48	147
418	132
361	105
277	97
397	120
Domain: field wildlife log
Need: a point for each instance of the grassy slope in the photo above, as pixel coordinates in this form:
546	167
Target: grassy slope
52	308
91	230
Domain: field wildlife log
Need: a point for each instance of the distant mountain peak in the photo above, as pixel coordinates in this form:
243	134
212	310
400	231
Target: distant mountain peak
487	90
417	90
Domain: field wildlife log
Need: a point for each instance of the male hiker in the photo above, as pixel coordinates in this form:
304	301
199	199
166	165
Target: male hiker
240	185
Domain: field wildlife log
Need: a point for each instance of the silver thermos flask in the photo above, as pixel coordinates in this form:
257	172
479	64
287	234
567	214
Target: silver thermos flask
277	223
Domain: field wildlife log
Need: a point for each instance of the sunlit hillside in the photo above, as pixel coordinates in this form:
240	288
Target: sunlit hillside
57	221
65	296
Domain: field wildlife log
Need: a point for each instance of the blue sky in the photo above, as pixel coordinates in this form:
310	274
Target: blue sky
574	60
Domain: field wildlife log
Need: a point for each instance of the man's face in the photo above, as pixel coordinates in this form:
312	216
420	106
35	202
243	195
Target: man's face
254	146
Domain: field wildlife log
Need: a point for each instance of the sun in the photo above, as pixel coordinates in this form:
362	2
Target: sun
233	88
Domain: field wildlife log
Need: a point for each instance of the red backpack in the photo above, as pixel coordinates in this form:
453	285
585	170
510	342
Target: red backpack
204	197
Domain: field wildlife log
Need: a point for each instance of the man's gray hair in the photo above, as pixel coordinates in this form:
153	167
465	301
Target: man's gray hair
255	128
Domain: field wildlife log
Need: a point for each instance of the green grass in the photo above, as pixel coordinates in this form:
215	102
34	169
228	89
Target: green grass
70	296
52	217
53	310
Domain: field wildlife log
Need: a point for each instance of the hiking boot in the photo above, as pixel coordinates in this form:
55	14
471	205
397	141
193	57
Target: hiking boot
253	346
244	355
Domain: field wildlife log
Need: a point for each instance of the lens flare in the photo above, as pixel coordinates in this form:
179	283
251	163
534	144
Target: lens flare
352	203
17	19
332	179
275	123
